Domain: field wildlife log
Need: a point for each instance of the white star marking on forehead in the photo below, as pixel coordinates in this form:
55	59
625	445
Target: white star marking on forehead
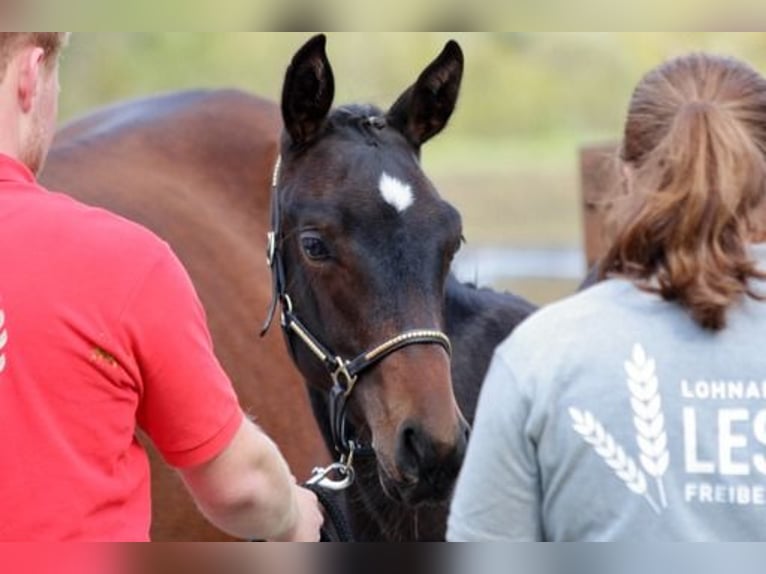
396	192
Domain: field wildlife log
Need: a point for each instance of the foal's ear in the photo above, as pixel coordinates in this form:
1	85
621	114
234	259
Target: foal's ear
308	91
424	109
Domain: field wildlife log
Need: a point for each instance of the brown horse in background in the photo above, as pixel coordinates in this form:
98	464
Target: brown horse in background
196	169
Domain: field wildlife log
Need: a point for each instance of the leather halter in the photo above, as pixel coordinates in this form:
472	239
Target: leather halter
344	373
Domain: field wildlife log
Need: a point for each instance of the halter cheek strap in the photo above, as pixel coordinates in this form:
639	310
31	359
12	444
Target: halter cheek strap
344	373
273	257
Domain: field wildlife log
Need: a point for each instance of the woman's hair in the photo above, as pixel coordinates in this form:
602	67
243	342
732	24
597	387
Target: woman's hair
695	148
51	42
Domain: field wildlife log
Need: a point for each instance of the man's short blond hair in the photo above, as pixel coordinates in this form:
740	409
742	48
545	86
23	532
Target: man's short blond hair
51	42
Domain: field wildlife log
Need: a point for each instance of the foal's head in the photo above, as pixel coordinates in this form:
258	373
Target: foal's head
367	244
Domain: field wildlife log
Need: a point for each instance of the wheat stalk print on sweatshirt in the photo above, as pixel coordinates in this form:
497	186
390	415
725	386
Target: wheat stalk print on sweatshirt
651	438
626	469
648	417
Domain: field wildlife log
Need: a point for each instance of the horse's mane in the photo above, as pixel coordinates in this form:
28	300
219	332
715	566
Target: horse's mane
363	120
468	303
478	320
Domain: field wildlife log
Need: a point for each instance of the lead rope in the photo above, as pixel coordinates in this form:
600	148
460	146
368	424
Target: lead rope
328	499
334	513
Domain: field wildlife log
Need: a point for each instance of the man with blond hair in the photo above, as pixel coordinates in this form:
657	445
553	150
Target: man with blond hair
101	333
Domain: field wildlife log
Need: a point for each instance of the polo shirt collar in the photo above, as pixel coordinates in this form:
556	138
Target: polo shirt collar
12	170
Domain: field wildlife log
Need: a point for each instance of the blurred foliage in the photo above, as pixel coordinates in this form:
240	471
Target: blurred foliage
517	84
369	15
508	160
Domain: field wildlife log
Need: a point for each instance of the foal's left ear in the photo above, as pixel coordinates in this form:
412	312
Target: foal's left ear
308	91
424	109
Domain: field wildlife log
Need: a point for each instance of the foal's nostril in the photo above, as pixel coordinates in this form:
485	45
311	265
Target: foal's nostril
408	438
419	456
412	451
428	469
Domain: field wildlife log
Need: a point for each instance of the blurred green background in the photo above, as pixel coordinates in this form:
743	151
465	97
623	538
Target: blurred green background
509	158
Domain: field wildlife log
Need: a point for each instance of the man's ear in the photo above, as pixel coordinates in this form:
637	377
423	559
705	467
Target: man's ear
30	66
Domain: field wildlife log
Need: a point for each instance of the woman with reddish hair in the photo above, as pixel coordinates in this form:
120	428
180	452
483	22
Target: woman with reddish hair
637	409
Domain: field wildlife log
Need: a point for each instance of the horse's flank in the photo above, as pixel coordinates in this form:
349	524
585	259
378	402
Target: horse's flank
195	169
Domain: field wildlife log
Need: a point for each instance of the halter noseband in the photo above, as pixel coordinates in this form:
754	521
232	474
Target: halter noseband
344	373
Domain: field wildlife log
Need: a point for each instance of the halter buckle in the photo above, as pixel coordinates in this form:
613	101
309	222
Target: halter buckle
343	378
287	308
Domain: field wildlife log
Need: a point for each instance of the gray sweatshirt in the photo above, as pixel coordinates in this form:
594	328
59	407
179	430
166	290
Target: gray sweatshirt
613	416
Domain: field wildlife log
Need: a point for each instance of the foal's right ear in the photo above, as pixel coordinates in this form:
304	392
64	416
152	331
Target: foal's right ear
308	91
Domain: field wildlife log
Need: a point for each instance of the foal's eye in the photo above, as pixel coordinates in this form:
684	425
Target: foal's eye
314	247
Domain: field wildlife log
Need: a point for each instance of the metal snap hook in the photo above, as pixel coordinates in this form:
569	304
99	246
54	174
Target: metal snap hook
322	477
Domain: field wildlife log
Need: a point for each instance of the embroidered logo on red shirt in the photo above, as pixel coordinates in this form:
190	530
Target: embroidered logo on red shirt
98	354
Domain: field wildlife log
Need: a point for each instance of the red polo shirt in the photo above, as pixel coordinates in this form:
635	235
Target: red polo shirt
100	332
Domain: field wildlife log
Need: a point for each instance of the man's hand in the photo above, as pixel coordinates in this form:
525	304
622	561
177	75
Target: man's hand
309	518
248	491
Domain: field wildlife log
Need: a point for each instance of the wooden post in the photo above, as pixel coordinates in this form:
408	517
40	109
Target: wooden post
598	184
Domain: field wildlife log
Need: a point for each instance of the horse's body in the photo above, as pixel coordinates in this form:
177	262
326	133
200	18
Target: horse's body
478	320
196	168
